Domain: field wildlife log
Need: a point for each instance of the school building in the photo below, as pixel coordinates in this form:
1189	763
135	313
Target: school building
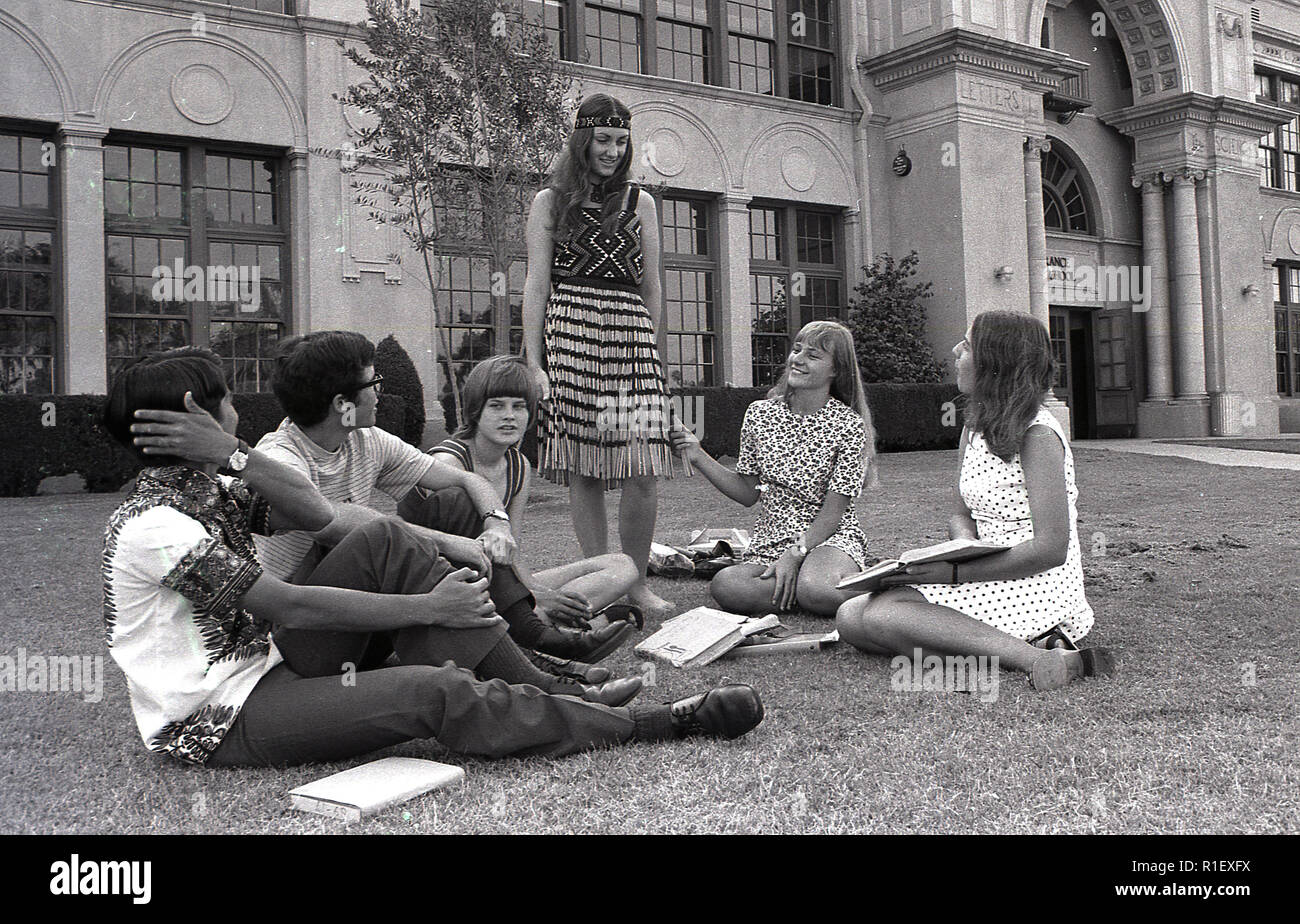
1127	170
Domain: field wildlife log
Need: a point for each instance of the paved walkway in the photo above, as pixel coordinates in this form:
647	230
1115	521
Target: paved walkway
1211	454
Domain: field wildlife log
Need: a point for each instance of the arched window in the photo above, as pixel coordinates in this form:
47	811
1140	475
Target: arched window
1065	208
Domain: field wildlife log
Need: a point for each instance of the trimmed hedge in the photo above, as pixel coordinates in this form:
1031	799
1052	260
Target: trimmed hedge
908	417
403	381
49	435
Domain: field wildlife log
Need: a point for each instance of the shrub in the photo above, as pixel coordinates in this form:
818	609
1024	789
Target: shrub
49	435
887	317
401	379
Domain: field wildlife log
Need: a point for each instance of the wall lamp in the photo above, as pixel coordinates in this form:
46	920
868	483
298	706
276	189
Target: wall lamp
1003	272
1251	289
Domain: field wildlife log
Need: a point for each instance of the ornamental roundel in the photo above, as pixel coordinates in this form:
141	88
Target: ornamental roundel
202	94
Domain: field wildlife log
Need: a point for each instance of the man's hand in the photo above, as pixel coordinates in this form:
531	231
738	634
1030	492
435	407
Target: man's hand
497	541
460	601
465	551
564	606
195	435
934	572
786	571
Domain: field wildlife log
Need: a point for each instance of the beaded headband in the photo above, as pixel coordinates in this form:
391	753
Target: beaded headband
603	122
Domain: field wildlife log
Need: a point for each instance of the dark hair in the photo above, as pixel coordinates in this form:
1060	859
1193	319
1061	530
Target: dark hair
496	377
571	178
312	368
159	382
1014	369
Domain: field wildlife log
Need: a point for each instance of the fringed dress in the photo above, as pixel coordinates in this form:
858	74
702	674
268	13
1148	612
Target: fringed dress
609	416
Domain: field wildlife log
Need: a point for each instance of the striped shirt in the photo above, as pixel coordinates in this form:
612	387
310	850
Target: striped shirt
369	460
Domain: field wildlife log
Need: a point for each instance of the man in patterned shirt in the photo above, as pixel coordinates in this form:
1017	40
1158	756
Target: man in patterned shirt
187	611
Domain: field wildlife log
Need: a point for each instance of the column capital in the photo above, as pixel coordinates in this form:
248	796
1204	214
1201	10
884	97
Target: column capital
1037	145
1156	179
82	133
732	201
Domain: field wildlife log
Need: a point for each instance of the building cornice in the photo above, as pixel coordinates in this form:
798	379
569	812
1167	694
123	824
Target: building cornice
1199	109
1028	64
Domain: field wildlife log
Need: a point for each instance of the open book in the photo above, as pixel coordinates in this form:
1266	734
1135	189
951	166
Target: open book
366	789
701	635
953	550
734	542
783	640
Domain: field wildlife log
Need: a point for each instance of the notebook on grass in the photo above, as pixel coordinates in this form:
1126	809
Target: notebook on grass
364	790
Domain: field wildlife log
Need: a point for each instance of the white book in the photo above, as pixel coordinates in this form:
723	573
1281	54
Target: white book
701	635
954	550
364	790
775	643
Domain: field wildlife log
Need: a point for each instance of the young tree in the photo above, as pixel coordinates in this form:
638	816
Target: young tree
887	317
469	106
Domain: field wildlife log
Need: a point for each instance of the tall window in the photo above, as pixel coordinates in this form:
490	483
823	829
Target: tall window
690	266
812	51
614	34
27	228
196	247
1279	150
796	276
1065	208
751	44
683	40
1286	318
551	15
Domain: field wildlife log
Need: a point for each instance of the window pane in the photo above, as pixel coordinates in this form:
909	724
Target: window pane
683	52
814	237
751	64
764	233
613	39
754	17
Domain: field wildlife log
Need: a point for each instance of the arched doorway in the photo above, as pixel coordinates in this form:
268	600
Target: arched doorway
1089	317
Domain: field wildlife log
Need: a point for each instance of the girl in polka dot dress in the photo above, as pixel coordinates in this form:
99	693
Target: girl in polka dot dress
805	451
1016	487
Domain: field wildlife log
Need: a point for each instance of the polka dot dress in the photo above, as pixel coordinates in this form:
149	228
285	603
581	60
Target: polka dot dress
994	491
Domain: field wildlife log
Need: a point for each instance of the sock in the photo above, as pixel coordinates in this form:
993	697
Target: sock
652	723
525	625
506	662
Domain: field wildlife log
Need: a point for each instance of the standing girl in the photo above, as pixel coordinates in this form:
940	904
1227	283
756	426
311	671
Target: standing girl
805	451
592	304
1016	487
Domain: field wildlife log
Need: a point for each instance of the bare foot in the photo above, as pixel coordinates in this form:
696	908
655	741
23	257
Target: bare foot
652	605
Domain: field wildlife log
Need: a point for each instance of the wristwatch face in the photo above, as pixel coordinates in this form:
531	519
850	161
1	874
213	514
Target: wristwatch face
238	461
497	514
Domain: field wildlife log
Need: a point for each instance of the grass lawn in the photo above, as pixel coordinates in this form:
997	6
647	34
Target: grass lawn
1191	569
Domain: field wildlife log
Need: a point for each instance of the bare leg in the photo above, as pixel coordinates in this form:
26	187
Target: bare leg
602	579
824	567
899	620
636	528
587	506
739	589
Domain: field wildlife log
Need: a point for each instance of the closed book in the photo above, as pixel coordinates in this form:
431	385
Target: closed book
700	636
364	790
954	550
783	641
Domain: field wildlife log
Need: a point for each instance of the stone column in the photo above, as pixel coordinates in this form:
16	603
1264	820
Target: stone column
733	311
300	242
1036	238
1225	408
1159	369
1185	278
81	257
1035	230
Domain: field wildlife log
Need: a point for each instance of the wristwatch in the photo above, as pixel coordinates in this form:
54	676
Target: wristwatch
497	514
238	460
801	548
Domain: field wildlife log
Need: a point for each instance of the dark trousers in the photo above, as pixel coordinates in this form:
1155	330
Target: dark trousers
452	511
332	714
383	556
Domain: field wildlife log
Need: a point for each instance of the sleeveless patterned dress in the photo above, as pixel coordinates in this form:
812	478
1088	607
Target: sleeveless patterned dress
1027	607
609	415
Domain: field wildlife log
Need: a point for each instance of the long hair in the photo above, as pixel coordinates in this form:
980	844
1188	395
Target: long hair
505	376
1014	369
572	176
846	384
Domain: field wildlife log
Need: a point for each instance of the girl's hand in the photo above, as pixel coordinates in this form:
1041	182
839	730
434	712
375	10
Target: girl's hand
567	607
685	443
786	571
543	383
498	542
935	572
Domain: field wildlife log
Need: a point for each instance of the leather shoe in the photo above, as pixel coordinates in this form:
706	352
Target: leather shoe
569	670
589	646
726	712
614	693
